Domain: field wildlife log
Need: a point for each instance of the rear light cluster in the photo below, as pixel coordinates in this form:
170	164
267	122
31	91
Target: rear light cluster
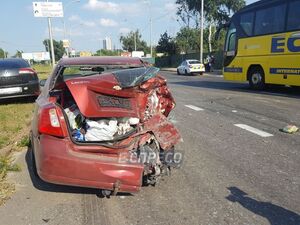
51	121
190	66
26	71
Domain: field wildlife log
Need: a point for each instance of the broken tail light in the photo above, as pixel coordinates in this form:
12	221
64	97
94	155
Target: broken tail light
51	122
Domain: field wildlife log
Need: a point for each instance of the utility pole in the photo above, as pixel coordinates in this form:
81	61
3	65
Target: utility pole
201	35
150	34
134	40
51	40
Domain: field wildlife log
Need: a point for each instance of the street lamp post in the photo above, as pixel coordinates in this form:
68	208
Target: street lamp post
201	35
51	41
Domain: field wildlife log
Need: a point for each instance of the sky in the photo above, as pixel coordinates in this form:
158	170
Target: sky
87	23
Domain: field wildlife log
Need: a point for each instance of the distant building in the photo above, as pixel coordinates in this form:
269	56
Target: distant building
107	44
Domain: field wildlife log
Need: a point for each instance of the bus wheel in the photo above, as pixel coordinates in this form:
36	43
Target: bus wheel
257	78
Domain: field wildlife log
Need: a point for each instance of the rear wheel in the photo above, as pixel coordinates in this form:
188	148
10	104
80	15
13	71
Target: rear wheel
178	72
257	78
186	72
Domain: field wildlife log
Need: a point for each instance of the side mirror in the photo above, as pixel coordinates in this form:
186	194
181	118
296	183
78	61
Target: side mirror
43	82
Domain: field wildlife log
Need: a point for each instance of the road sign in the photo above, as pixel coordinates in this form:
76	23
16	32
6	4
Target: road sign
48	9
85	54
66	43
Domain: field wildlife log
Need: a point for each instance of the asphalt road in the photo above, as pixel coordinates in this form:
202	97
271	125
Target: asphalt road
238	167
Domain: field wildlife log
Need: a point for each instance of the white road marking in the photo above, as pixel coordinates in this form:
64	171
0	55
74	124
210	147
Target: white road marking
254	130
194	107
234	111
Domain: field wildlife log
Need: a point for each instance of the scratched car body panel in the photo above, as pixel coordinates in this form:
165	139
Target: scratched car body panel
102	122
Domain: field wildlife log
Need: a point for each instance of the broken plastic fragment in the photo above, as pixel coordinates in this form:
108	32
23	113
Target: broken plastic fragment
290	129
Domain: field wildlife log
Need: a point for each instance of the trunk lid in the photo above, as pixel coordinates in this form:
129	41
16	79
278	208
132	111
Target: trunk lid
114	94
101	96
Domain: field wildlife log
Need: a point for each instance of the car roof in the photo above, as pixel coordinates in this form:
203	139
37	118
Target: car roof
101	60
13	60
13	63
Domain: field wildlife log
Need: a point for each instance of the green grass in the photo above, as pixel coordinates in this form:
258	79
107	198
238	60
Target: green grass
6	166
43	70
24	142
15	117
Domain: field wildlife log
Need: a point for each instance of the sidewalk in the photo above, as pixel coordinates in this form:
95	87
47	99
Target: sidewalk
217	73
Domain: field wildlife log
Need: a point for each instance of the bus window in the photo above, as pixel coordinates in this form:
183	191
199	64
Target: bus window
293	22
246	22
231	39
270	20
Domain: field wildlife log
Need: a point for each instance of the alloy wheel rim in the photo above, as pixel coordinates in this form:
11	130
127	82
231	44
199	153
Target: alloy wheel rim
256	78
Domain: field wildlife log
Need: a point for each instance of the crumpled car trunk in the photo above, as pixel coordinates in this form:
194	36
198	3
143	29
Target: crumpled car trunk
115	104
124	110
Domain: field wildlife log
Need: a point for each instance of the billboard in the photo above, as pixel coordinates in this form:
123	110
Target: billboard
36	56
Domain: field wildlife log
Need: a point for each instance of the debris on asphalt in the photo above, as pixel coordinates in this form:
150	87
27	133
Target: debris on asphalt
290	129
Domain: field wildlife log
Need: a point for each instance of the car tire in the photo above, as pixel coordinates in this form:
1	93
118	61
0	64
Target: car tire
201	73
186	72
257	78
178	72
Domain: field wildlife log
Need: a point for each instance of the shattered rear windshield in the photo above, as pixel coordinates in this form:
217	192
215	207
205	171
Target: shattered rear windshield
134	77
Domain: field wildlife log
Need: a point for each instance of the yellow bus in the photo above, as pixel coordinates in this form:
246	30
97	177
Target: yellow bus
263	44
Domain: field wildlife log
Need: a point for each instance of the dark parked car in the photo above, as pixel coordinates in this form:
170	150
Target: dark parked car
17	79
101	122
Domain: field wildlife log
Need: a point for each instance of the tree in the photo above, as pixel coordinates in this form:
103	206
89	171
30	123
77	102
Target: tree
166	44
188	39
3	54
104	52
59	50
18	54
215	12
218	11
128	42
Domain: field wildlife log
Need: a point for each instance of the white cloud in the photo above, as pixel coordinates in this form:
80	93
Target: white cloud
103	6
115	8
74	18
57	30
171	7
108	22
124	30
87	23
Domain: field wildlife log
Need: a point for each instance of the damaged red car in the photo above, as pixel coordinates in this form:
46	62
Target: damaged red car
102	122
